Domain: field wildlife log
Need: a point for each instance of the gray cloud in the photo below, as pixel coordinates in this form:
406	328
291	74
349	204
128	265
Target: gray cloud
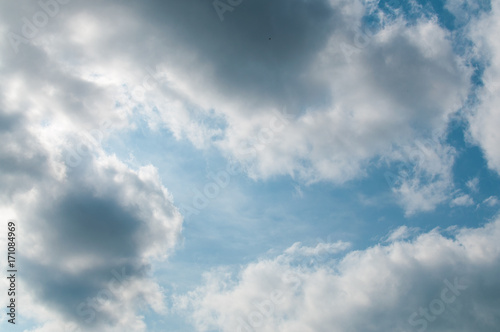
101	220
81	226
220	82
23	160
243	60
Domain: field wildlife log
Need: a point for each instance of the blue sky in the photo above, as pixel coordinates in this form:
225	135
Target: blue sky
252	166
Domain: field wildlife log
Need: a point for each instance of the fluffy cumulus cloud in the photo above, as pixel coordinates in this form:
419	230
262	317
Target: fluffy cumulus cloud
313	91
438	281
90	234
355	94
484	120
91	241
424	174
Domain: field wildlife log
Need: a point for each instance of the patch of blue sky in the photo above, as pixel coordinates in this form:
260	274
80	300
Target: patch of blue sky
247	218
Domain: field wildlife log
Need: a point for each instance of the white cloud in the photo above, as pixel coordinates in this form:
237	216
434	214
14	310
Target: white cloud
462	200
400	84
423	178
382	288
401	233
463	9
321	248
485	119
491	201
371	110
473	184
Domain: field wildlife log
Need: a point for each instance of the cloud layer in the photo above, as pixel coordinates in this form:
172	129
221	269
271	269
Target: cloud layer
321	91
91	227
438	281
350	92
85	227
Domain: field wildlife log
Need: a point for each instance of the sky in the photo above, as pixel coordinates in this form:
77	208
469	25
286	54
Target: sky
250	165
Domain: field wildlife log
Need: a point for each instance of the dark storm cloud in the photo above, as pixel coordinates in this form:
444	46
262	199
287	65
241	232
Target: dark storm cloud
266	56
23	161
81	228
100	225
84	239
85	223
260	52
262	56
245	61
69	294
